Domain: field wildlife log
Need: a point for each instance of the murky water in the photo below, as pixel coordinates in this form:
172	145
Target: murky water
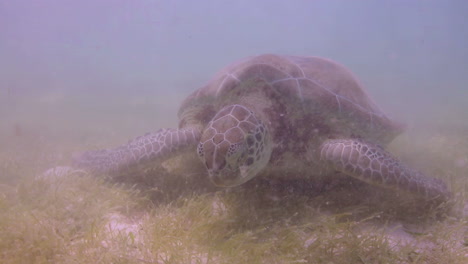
78	75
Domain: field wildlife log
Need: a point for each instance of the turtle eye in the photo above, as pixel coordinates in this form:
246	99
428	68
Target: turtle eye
233	150
235	153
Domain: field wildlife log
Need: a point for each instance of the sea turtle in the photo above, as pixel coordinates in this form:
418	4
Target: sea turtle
275	115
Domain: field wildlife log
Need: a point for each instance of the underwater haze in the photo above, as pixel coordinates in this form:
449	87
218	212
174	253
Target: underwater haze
92	74
410	55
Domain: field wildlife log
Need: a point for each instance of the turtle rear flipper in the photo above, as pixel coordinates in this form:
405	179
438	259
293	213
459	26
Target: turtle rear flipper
138	153
374	165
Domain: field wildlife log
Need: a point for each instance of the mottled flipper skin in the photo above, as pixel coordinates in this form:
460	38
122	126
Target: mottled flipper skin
374	165
139	152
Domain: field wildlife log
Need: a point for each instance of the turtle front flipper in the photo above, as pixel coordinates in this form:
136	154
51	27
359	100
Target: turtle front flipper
374	165
138	153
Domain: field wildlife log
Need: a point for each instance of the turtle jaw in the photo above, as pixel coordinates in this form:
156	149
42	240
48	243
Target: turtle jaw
230	171
235	146
231	178
223	179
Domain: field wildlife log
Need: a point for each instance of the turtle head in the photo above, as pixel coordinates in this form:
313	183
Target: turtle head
235	146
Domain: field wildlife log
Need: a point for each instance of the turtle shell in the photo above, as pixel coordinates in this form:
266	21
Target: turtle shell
308	94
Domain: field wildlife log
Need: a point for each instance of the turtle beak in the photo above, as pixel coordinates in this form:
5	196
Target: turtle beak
214	177
225	178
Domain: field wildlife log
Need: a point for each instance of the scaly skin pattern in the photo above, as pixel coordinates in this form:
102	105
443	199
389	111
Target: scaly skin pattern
138	152
374	165
234	137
